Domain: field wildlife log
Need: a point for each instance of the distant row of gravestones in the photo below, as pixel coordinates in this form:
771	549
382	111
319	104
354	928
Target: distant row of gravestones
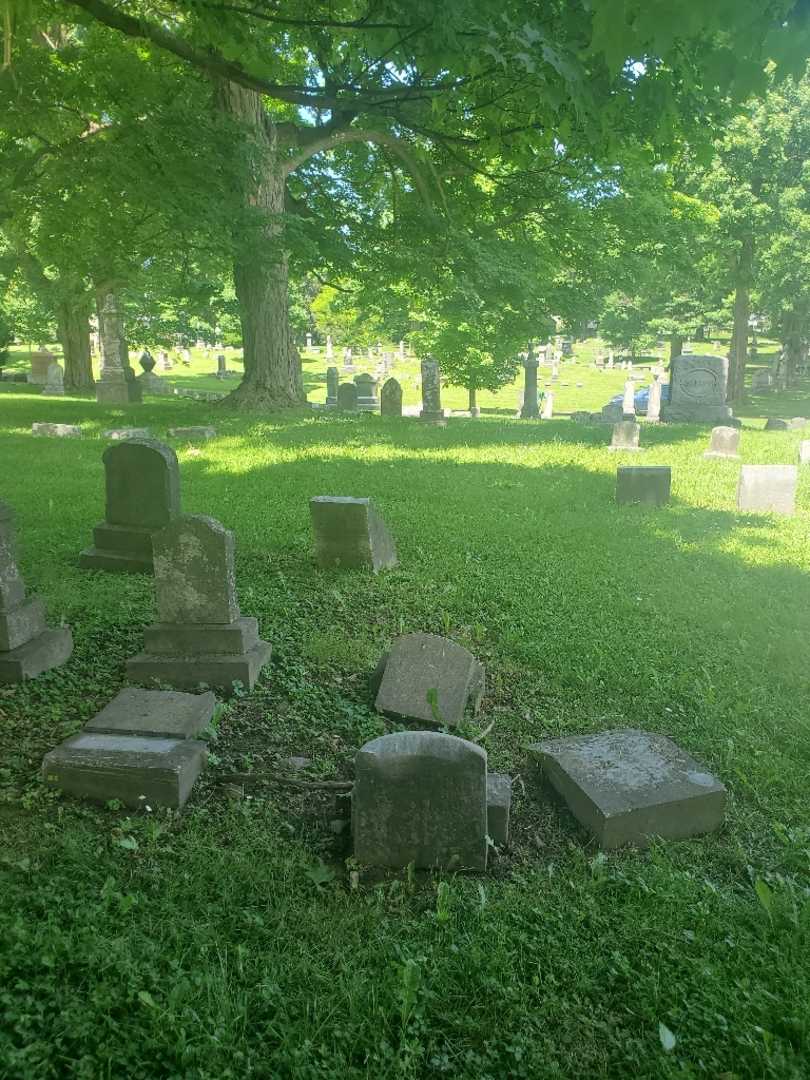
142	748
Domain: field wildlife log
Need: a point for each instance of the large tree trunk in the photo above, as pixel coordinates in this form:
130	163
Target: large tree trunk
792	349
74	334
675	347
738	354
272	365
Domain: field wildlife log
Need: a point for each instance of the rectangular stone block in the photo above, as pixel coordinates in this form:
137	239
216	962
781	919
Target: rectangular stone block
162	713
626	787
768	489
193	434
57	431
421	665
129	540
499	802
648	484
191	672
21	624
48	650
349	533
187	639
137	771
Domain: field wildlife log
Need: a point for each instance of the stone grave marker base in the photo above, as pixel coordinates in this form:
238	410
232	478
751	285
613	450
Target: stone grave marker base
162	713
48	650
122	548
499	802
220	670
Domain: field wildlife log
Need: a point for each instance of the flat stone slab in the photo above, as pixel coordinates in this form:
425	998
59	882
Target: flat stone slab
166	713
117	434
628	786
650	484
191	672
193	434
57	431
768	489
48	650
499	802
349	533
136	770
420	663
420	799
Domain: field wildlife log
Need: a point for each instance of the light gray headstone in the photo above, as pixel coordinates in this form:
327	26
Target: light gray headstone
768	489
194	571
160	713
430	678
698	389
547	412
654	401
193	434
725	443
349	533
629	402
626	435
420	798
54	381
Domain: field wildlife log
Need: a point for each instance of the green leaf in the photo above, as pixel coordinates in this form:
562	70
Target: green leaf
146	998
765	897
668	1039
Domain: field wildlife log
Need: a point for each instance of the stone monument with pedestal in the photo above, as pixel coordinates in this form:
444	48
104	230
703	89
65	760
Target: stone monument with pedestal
698	390
432	410
117	384
55	382
530	409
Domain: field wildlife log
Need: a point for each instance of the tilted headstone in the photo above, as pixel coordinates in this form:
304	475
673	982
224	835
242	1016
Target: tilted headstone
725	443
648	484
420	799
768	489
347	397
200	636
698	389
142	481
57	431
628	787
654	400
117	384
27	646
54	382
367	400
430	678
626	435
432	410
530	408
349	533
629	401
332	384
391	398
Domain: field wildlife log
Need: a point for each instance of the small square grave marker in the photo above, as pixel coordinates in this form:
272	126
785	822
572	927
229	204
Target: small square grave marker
648	484
768	489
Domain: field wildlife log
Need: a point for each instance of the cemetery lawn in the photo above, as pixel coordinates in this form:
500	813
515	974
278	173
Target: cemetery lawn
236	939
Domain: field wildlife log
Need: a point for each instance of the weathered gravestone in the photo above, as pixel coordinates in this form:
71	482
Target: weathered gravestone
391	398
117	384
54	381
57	431
347	397
200	636
626	787
649	484
349	533
626	435
804	452
654	400
27	646
420	799
121	433
168	714
196	433
429	678
142	481
698	389
432	410
149	382
332	384
629	401
367	400
547	412
768	489
40	363
530	408
499	802
725	443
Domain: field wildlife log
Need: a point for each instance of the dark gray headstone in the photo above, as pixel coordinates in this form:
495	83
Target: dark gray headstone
420	799
420	665
347	397
698	389
643	484
432	410
725	443
530	408
332	384
349	533
627	787
27	646
367	400
391	398
768	489
625	436
142	481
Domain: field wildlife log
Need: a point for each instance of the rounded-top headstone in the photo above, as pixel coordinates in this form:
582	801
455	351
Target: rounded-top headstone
194	572
142	482
147	361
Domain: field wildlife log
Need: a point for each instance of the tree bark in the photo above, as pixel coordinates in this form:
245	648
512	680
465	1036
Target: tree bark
272	376
792	349
471	390
738	354
74	335
675	347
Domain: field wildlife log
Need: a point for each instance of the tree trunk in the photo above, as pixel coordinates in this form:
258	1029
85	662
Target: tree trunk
738	354
792	349
473	398
272	377
74	335
675	347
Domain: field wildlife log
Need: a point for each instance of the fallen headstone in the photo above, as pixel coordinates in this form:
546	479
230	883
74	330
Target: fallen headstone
142	481
420	799
725	443
119	434
193	434
648	484
768	489
349	533
28	647
626	787
57	431
161	713
200	636
431	679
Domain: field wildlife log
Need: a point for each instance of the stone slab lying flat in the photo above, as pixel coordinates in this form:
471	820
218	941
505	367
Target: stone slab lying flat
135	770
499	802
768	489
628	786
189	672
117	434
193	434
649	484
420	663
57	431
166	713
48	650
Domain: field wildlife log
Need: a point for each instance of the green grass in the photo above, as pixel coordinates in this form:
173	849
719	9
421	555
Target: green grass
233	940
